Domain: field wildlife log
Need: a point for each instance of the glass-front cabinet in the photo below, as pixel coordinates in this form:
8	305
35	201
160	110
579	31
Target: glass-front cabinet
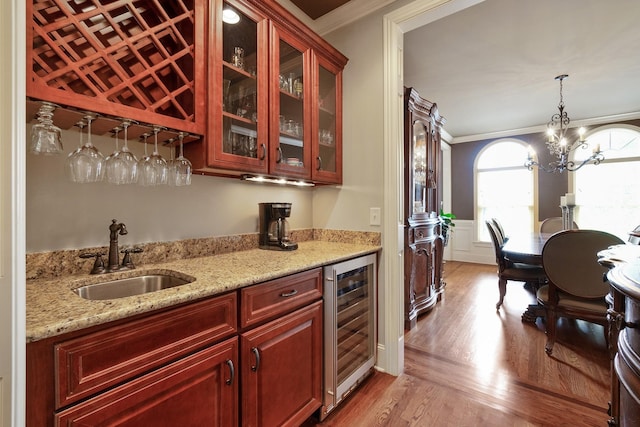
275	97
290	149
238	136
327	137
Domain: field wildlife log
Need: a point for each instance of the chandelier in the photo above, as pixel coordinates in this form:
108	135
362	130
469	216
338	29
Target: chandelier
558	145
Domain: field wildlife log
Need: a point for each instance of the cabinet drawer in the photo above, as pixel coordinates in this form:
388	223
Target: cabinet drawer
270	299
91	363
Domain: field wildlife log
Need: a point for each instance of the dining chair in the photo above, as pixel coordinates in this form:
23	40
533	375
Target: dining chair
500	229
553	225
576	286
507	270
634	236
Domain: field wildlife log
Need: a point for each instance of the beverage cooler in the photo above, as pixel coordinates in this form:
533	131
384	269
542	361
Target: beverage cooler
349	327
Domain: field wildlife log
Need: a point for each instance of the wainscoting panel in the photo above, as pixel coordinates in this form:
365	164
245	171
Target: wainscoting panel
464	246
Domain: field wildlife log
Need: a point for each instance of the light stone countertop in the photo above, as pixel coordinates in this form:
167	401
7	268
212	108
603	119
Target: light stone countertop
53	308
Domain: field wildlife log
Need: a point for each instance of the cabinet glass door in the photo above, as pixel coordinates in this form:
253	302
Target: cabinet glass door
243	93
327	135
422	178
291	156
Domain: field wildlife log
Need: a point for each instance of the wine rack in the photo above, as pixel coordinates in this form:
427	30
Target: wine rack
143	59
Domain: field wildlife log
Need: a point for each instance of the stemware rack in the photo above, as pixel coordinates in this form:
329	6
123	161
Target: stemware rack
67	117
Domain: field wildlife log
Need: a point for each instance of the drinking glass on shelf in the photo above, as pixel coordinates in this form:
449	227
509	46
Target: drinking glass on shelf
87	163
45	136
181	167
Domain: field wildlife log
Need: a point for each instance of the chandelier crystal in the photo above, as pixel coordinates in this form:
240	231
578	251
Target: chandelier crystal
559	145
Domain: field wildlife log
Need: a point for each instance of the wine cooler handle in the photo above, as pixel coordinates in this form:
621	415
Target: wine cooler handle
256	353
289	294
264	151
279	159
232	372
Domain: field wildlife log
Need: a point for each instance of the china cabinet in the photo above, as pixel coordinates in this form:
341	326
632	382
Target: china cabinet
275	97
143	60
423	247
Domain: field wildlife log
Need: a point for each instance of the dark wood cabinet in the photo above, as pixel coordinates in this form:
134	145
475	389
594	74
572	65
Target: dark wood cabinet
277	110
282	369
198	390
423	247
624	344
248	357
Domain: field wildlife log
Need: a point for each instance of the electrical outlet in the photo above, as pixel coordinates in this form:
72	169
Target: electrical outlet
374	216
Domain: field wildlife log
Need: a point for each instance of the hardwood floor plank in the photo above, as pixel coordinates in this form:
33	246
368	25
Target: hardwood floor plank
468	365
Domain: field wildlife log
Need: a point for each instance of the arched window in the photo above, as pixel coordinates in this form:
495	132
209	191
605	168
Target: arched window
504	188
607	195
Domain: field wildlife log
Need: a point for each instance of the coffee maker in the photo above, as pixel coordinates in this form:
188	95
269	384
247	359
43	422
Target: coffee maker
274	228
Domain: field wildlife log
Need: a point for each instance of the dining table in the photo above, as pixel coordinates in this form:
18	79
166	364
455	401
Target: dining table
527	249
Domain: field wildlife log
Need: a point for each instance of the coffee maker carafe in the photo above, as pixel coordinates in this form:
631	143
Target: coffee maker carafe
274	227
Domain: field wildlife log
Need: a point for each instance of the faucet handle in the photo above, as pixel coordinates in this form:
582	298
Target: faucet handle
126	259
98	265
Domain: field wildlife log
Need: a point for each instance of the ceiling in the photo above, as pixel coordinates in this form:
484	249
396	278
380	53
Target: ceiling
491	67
315	9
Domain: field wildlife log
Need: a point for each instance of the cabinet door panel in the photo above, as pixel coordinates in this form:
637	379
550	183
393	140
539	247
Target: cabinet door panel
281	369
91	363
327	123
238	128
198	390
291	90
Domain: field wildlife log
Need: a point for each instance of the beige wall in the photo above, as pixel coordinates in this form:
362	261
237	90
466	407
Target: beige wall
65	215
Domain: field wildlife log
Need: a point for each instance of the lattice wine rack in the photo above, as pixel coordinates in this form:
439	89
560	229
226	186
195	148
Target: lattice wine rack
141	59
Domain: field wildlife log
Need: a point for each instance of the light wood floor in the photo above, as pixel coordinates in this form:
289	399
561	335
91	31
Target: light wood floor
468	365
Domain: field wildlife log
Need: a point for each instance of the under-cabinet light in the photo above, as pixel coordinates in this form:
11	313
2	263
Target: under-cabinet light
280	181
229	16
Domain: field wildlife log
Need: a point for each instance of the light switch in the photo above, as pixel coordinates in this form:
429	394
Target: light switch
374	216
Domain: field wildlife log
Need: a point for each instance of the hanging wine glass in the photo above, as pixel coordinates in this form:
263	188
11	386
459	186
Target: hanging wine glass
181	166
145	169
70	163
88	162
129	160
170	169
45	136
158	163
113	164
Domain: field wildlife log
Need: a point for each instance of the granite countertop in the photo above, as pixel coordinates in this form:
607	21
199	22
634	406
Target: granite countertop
53	308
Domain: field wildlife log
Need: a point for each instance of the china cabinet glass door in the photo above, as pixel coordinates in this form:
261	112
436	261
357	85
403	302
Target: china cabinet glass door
290	155
420	169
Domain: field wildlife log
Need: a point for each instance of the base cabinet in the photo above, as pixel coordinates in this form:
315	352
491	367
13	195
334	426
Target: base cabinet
251	357
199	390
282	382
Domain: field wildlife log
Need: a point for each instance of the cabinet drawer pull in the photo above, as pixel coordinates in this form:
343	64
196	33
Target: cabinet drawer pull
264	151
280	156
319	163
289	294
256	353
232	372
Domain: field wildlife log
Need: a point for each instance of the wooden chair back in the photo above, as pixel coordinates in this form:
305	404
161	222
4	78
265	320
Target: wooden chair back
571	263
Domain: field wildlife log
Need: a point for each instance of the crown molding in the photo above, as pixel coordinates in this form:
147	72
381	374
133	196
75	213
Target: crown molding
337	18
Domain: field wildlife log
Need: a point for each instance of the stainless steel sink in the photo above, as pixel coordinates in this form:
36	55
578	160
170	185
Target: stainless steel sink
130	286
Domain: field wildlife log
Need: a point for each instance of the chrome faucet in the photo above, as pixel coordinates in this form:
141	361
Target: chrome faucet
114	259
113	263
